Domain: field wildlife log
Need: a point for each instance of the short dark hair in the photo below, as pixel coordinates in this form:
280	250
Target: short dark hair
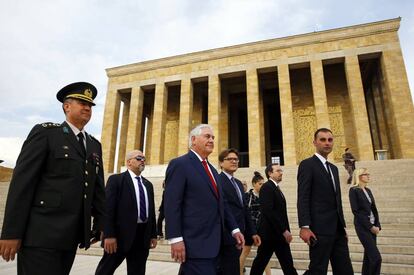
226	152
269	169
324	130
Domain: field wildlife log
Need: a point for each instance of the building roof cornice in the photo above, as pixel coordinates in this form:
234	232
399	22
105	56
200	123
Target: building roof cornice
390	25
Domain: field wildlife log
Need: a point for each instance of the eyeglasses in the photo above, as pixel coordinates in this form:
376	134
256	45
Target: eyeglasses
139	158
207	136
232	159
365	175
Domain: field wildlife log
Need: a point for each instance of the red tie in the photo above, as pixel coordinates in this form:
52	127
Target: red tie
213	183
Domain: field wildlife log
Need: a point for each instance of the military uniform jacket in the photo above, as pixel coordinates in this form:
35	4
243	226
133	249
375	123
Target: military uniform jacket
55	189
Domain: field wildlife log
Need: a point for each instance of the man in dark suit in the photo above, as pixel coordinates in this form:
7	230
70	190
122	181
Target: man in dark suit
273	225
229	262
321	219
195	213
349	164
130	228
57	186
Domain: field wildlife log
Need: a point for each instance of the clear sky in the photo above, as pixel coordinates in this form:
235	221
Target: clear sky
49	43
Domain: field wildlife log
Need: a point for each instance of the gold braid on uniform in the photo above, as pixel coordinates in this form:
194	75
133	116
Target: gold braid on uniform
50	125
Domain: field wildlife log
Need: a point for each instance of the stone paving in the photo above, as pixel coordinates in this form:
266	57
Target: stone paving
85	265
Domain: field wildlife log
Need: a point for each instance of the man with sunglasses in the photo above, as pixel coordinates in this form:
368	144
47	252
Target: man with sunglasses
56	187
321	219
130	227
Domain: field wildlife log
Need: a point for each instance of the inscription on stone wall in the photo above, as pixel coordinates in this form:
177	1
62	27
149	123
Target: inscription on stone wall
305	125
337	128
171	140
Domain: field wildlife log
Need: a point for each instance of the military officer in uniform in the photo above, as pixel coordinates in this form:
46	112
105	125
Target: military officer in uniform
57	186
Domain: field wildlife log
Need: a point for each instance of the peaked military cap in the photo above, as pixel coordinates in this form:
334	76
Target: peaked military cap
79	90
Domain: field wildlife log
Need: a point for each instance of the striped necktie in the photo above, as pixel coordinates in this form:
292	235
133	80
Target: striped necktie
239	195
213	183
142	202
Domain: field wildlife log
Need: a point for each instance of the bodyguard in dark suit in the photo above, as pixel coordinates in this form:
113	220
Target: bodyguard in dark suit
273	225
321	219
130	228
57	185
229	262
195	213
366	221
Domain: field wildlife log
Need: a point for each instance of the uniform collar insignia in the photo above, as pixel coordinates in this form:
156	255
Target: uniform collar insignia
66	130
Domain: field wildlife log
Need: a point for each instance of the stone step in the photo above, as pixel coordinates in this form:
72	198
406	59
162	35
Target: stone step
300	246
390	254
383	234
385	219
387	268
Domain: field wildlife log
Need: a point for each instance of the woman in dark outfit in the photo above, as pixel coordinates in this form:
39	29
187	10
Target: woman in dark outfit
366	220
252	200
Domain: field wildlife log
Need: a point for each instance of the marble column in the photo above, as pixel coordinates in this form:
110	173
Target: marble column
158	124
400	112
320	101
254	117
123	135
110	128
135	119
363	137
214	109
186	114
319	94
224	122
286	110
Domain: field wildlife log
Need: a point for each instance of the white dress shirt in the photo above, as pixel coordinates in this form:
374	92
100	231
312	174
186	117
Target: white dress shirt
76	131
135	181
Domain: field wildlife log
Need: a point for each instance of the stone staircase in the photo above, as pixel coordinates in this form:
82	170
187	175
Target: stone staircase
393	188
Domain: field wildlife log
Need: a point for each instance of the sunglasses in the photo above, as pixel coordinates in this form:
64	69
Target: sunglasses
139	158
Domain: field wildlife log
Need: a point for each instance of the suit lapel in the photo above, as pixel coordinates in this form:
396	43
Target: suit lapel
277	191
230	184
88	145
200	169
70	136
149	194
240	186
131	190
336	178
326	173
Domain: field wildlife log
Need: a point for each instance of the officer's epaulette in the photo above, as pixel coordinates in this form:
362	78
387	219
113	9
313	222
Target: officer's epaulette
50	125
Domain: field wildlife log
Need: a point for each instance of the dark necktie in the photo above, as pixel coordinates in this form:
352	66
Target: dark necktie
278	188
239	195
82	145
213	183
330	175
142	202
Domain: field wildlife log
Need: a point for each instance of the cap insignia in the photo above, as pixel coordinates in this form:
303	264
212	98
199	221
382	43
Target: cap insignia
88	93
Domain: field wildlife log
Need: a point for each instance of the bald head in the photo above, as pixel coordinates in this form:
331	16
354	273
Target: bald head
135	161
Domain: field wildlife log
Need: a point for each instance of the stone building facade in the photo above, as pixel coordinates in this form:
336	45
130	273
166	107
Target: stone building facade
267	98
